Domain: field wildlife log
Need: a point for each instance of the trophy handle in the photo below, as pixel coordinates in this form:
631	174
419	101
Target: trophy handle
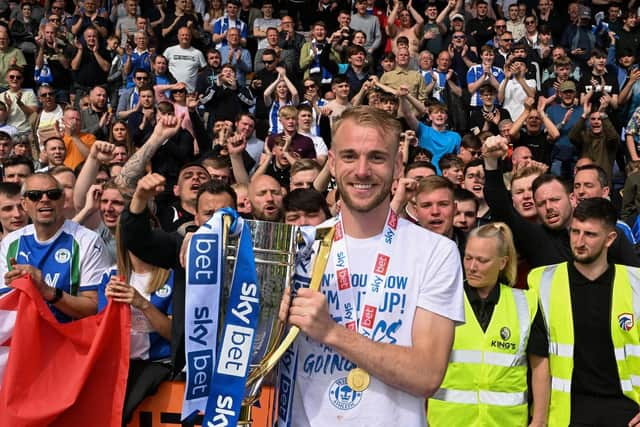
325	236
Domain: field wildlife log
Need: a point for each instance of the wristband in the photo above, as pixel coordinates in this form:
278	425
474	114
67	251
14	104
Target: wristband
57	297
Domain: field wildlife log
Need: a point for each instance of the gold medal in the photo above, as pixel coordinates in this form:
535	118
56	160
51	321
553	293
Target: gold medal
358	379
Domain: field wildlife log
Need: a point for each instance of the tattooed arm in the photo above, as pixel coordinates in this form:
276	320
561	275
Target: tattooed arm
134	169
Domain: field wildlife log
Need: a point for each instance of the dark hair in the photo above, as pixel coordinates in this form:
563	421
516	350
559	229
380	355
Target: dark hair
596	208
421	150
339	79
140	70
9	189
450	160
211	50
306	200
463	195
603	179
471	141
389	97
18	160
389	55
215	186
269	51
596	52
305	107
147	87
420	164
474	163
547	178
353	49
243	114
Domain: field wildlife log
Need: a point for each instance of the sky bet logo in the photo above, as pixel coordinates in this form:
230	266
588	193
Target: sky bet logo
200	372
204	249
236	349
237	340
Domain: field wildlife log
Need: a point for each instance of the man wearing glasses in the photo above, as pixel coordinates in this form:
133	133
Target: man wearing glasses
64	259
129	99
45	123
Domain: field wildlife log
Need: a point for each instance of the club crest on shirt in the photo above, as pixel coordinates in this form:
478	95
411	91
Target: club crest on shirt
164	291
626	322
62	255
342	396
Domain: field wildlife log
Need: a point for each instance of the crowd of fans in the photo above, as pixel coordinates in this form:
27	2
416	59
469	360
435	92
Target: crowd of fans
191	105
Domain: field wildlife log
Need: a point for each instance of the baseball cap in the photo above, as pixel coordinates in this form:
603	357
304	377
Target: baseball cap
567	86
457	16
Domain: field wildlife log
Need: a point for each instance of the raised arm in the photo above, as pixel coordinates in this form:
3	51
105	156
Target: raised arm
391	21
131	172
406	110
517	125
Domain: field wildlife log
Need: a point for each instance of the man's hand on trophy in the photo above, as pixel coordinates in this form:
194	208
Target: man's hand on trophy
309	311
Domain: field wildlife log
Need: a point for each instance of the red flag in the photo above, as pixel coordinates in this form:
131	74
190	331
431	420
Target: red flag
62	374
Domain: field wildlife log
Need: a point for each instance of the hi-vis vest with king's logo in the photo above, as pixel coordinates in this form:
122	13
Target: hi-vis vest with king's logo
486	379
552	284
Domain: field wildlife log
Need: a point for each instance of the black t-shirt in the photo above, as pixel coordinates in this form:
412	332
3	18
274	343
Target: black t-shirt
61	76
538	144
172	216
282	175
89	74
607	79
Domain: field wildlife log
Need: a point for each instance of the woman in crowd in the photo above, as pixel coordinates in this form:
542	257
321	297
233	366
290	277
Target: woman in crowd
215	11
119	136
486	380
148	290
279	93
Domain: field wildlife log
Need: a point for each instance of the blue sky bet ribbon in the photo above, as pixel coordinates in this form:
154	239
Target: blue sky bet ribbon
236	345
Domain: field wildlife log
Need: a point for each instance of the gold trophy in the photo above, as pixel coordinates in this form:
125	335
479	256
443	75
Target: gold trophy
274	246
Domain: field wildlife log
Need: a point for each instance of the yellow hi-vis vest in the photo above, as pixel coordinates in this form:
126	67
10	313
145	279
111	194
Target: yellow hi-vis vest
552	284
486	379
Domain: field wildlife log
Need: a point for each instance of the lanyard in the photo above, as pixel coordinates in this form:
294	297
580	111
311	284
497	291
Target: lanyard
347	308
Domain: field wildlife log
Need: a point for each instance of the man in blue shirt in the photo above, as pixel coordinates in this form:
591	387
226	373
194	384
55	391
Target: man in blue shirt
435	138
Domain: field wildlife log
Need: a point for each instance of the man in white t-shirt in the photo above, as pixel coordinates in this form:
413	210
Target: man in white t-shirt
184	60
369	358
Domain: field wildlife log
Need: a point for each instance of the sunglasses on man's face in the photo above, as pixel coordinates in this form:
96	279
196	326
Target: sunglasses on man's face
46	94
14	77
36	195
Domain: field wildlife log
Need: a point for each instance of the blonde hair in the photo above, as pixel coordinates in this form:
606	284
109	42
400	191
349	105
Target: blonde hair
159	275
501	233
370	117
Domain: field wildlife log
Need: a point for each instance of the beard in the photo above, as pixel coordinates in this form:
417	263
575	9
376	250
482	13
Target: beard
362	206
